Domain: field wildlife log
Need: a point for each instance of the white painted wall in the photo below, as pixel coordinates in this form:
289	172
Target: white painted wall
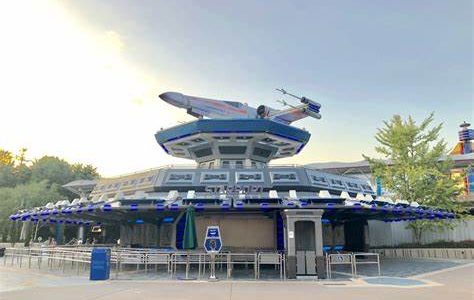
394	234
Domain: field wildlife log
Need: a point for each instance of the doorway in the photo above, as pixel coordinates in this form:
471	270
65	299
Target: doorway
354	233
305	246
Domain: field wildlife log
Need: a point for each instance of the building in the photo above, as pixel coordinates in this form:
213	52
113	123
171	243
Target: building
298	210
462	156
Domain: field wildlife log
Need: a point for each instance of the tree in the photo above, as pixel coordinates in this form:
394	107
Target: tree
7	176
82	171
29	195
52	169
26	184
411	167
6	158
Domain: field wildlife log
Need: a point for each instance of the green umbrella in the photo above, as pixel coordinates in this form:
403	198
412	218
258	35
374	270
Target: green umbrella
189	238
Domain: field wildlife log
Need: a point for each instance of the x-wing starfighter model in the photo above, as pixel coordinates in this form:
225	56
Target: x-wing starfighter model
223	109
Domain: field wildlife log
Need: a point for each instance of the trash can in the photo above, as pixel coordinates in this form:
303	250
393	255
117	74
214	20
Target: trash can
100	264
2	252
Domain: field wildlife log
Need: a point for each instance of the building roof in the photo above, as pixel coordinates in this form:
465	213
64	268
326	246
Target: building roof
362	166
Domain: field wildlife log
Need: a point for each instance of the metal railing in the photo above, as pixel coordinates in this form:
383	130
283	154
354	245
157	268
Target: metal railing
352	259
78	259
52	258
366	258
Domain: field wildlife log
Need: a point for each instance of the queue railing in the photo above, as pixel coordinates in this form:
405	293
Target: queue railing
79	258
351	259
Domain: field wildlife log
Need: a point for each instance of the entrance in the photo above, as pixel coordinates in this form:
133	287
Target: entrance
304	242
305	248
354	236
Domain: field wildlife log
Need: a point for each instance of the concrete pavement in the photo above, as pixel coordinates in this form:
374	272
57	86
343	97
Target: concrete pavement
454	283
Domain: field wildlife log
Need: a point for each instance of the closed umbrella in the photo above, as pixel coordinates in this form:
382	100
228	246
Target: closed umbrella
189	238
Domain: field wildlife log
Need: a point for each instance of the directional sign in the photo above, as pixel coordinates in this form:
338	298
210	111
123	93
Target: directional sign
212	241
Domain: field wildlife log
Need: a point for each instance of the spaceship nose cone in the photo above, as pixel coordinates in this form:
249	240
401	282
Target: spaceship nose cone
173	98
166	96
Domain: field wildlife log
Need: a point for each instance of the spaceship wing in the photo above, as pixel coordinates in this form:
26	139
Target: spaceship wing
293	114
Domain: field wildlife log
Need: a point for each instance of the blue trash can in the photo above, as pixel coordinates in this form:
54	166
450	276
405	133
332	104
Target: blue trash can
100	264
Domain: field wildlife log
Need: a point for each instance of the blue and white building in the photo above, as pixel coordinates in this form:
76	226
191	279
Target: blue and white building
297	210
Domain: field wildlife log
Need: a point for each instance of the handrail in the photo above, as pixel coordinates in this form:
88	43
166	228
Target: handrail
66	258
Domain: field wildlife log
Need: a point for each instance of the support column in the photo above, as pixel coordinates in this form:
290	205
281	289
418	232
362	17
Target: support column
25	231
80	233
291	217
291	247
59	233
318	232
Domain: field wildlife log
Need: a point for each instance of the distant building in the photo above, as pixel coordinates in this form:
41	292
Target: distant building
462	156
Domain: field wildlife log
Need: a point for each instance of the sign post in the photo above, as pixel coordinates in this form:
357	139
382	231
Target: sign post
213	245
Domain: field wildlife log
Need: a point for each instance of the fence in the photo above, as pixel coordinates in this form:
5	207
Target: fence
351	259
53	258
440	253
393	234
78	260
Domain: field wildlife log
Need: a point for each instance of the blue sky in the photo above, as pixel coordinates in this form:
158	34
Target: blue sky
362	60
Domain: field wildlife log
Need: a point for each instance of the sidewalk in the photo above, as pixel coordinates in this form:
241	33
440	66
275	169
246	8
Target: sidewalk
451	283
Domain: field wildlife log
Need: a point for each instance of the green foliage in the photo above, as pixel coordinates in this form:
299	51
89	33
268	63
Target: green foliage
52	169
81	171
411	167
28	195
6	158
7	176
25	184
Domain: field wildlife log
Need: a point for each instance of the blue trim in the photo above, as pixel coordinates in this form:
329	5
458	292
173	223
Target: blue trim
164	148
300	148
280	232
180	232
232	126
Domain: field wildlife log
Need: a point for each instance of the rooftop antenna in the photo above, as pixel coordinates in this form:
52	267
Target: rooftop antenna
302	99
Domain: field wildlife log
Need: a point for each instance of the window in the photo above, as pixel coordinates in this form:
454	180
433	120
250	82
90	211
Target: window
203	152
225	164
268	140
319	179
239	164
352	185
337	182
243	138
232	149
261	152
224	138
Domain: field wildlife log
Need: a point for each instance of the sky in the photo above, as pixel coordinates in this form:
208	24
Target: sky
81	79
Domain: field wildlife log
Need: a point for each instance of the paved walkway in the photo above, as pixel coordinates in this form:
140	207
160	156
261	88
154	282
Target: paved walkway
452	283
